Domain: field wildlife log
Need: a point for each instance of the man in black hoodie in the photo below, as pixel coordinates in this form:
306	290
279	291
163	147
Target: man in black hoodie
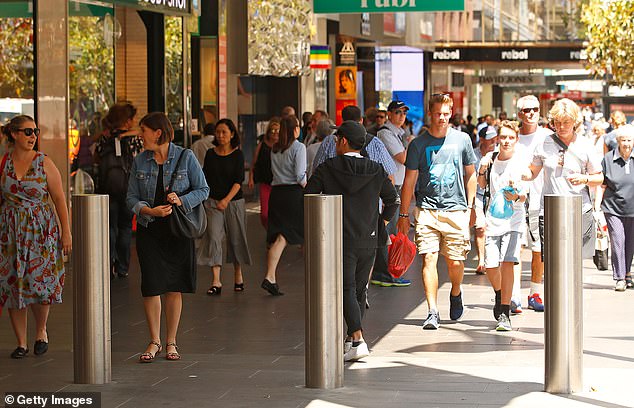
361	182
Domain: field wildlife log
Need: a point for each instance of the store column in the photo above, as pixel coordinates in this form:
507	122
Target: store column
51	81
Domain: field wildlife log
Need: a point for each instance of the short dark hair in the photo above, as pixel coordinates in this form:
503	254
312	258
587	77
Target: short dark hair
14	124
235	138
118	114
159	121
209	129
288	125
351	112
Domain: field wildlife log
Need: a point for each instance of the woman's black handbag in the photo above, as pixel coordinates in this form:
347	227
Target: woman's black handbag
600	259
191	225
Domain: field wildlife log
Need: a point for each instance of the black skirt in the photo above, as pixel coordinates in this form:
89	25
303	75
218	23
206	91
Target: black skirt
168	262
286	214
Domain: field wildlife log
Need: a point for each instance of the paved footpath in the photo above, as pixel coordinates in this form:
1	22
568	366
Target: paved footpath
247	349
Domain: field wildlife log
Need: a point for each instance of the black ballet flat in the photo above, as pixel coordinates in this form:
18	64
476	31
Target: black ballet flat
40	347
19	352
238	287
214	290
272	288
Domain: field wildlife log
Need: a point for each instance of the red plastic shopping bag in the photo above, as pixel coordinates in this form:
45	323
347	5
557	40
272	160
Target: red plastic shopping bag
401	254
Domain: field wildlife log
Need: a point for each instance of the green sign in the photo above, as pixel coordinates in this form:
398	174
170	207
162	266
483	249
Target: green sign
386	6
24	9
164	6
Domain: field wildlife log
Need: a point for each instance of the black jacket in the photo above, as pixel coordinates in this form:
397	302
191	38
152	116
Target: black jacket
361	182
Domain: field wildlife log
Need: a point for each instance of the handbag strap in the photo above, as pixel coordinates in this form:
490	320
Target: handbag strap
173	178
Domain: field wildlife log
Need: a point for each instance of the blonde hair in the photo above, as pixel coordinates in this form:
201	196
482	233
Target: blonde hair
618	118
441	98
565	108
521	102
510	124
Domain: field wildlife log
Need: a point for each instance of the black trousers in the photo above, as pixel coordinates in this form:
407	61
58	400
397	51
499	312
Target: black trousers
357	263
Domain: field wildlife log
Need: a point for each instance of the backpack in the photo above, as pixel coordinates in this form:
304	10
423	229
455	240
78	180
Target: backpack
114	171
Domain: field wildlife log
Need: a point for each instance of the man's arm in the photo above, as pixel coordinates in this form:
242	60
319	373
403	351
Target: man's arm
390	199
406	197
326	150
315	183
400	157
470	183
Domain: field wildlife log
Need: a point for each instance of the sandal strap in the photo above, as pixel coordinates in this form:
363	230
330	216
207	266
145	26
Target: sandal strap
172	344
157	344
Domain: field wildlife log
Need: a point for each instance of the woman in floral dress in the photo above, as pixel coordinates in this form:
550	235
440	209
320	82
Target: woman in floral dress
31	239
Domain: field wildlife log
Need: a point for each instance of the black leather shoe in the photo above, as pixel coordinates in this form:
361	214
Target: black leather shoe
122	274
40	347
272	288
19	352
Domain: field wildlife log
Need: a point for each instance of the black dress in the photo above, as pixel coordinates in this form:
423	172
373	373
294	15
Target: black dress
168	263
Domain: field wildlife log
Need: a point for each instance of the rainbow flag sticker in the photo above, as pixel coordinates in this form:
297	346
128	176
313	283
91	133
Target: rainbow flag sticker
320	57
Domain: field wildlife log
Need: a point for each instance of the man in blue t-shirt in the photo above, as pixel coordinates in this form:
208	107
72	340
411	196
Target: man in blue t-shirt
440	164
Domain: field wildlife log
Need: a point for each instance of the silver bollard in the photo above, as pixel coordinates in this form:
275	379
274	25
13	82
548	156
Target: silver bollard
91	289
563	272
323	232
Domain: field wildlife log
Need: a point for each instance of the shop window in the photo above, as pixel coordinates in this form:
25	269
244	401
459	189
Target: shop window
92	31
174	73
17	79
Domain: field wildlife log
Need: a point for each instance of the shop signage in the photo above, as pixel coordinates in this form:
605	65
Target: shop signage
180	6
385	6
347	55
509	79
507	54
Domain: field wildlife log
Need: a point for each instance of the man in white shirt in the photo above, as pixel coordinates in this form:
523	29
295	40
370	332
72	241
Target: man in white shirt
531	135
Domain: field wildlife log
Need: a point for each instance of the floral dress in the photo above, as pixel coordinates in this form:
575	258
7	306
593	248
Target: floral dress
31	261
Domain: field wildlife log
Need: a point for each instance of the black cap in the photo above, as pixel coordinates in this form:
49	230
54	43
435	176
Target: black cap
397	105
353	132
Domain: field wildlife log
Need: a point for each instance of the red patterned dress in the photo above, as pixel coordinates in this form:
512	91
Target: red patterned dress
31	260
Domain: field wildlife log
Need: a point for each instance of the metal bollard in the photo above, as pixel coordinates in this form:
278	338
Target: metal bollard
563	272
323	233
91	289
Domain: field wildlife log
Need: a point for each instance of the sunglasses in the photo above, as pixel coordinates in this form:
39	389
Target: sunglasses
562	158
400	112
439	94
30	131
380	116
527	110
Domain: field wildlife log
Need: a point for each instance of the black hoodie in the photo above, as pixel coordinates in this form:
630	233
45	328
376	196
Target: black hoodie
361	182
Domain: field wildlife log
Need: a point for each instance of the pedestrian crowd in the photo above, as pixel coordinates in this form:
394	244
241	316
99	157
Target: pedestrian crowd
491	176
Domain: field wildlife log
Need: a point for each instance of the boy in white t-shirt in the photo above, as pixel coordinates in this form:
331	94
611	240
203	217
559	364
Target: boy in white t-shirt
503	236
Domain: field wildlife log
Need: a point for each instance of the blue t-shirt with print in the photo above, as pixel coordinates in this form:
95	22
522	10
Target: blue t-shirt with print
440	163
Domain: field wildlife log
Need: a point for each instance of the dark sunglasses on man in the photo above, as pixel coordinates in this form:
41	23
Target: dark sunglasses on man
527	110
30	131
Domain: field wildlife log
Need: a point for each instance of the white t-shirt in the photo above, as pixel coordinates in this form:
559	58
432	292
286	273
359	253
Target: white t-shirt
502	172
581	157
530	143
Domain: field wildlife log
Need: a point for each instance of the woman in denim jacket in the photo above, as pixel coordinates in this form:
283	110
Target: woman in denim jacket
168	264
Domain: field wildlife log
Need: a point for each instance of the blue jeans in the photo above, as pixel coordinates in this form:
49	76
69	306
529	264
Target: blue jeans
120	235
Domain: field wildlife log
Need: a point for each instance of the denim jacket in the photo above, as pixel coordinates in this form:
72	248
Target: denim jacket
143	179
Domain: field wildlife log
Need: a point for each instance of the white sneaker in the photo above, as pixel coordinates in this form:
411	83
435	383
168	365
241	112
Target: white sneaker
347	345
620	286
357	353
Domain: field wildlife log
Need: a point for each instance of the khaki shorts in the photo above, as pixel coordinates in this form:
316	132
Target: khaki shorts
446	232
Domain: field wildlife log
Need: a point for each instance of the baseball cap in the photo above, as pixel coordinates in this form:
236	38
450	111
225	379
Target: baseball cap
397	105
490	133
353	132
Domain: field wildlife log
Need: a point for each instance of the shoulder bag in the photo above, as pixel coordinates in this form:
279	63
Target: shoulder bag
190	225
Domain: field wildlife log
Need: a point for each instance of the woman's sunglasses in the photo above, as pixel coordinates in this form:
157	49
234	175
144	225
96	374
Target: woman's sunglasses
30	131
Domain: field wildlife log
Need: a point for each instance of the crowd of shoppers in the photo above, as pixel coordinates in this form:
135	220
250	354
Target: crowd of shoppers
454	169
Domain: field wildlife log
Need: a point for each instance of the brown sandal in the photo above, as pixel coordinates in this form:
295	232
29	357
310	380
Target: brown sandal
148	357
173	356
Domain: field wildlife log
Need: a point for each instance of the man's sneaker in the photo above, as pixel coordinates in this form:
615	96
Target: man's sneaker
504	323
433	321
516	307
347	345
535	302
394	282
628	282
455	306
357	353
620	286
